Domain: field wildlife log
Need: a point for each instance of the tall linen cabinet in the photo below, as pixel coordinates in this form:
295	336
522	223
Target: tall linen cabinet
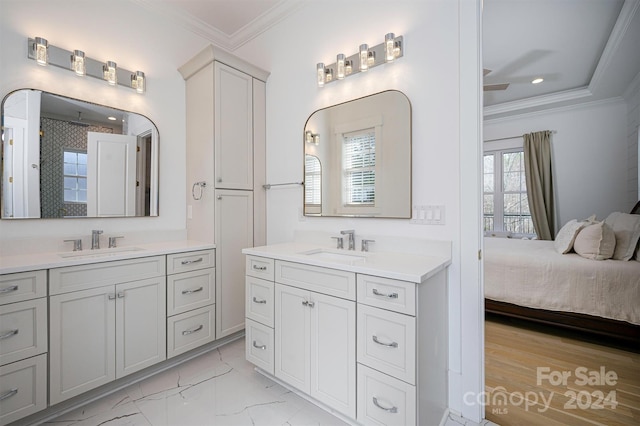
226	171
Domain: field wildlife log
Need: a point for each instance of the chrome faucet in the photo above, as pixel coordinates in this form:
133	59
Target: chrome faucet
95	239
352	240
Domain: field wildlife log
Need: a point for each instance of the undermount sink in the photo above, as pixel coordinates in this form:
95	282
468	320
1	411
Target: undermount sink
99	252
335	256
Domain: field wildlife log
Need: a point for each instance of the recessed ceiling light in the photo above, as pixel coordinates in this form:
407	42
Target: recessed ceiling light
112	118
537	80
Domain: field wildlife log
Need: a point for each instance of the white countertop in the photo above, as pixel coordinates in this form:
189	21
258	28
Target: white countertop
400	266
35	261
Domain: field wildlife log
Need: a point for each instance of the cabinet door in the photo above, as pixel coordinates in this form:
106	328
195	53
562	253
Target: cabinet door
234	232
82	342
292	316
333	352
140	325
233	128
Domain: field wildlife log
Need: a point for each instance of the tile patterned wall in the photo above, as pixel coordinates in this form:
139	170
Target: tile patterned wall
58	135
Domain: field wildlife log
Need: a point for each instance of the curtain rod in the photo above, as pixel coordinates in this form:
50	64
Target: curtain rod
512	137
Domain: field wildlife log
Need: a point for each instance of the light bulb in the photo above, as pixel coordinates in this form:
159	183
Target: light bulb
110	73
77	62
138	82
42	57
320	74
388	47
364	57
340	66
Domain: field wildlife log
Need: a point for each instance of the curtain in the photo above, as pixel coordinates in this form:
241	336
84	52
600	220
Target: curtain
537	166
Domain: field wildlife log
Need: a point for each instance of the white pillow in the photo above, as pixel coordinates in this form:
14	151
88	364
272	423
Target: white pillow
567	235
596	241
627	230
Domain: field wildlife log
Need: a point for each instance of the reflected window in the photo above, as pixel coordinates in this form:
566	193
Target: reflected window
75	176
312	184
359	167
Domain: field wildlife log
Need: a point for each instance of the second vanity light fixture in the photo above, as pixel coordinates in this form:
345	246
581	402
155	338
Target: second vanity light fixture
45	54
366	58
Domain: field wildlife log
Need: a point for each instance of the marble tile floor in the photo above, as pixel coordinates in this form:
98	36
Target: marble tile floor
217	388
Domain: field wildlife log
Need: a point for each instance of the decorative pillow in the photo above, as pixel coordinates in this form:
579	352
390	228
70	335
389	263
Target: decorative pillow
596	241
627	230
567	235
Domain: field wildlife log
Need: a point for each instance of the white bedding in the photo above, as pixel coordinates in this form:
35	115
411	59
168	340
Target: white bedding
531	273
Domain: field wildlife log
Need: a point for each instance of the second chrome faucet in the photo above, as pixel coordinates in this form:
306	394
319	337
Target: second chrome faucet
352	238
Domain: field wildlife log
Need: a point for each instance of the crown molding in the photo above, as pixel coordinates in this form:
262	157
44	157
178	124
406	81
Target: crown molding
231	42
537	101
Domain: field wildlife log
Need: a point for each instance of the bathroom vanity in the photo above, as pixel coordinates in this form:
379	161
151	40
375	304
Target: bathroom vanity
73	323
362	334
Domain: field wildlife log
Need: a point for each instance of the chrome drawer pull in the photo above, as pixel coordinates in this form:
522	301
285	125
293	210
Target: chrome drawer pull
388	410
192	291
9	334
262	347
390	296
187	332
8	289
258	301
259	268
8	394
389	345
111	296
189	262
309	304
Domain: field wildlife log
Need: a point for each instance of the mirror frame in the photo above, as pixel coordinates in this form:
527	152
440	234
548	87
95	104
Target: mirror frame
153	159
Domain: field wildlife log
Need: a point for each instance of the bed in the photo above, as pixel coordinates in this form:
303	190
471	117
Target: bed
529	279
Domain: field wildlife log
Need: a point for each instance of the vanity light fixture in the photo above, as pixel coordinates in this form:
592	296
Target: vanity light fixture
77	62
44	53
137	81
310	137
41	47
362	61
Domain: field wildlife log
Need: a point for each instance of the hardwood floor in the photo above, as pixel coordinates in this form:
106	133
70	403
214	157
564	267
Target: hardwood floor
536	378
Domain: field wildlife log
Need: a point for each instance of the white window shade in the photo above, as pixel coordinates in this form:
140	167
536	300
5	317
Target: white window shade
359	167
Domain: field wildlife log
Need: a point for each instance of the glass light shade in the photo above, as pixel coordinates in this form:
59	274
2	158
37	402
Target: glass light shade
110	73
340	66
308	136
77	62
364	57
138	81
316	139
348	67
42	56
388	47
320	74
328	75
371	59
397	48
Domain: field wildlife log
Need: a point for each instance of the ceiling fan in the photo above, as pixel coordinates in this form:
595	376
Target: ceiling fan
488	87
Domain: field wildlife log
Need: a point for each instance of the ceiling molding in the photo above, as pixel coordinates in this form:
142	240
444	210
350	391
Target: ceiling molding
219	38
571	107
537	101
627	13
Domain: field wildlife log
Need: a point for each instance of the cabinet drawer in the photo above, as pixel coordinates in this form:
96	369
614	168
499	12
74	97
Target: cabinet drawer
23	330
22	286
259	300
385	293
260	267
190	330
82	277
190	261
332	282
383	400
190	290
23	388
387	342
259	341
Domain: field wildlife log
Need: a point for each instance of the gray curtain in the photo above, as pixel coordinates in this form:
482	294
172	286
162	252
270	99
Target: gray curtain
537	166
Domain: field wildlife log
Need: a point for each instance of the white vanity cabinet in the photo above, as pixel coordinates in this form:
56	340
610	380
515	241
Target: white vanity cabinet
259	311
112	329
191	288
23	344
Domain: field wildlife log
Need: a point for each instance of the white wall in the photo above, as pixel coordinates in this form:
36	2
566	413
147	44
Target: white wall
140	41
632	96
589	152
428	74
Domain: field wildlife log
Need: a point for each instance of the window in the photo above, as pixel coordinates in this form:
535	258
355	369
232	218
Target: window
359	168
506	206
75	176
